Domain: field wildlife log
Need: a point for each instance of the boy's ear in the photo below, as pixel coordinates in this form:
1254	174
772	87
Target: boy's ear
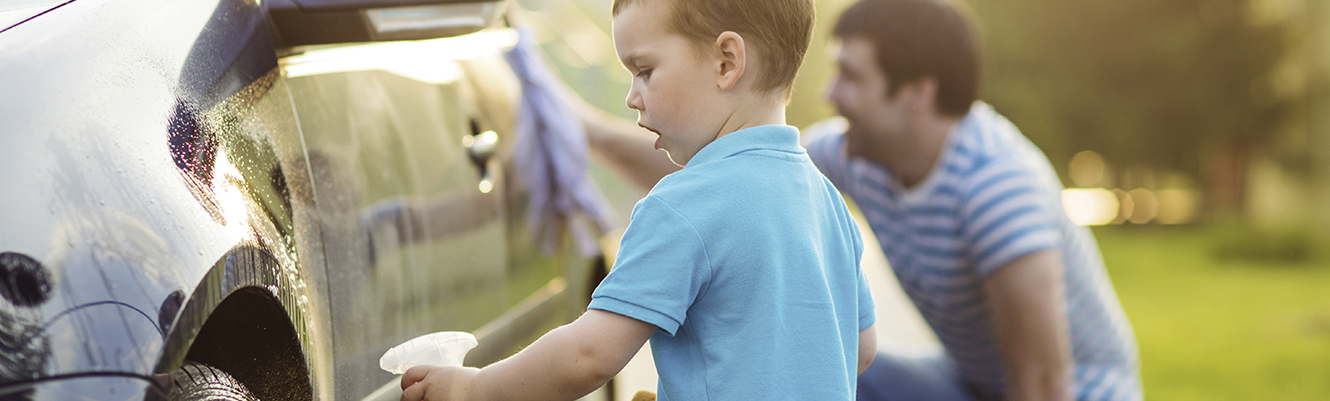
732	59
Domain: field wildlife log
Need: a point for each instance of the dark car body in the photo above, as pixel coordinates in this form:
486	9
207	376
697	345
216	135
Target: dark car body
177	185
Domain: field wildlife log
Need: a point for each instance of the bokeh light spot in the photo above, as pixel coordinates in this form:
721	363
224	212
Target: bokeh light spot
1087	169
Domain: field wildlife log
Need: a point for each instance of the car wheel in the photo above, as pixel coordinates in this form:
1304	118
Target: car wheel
199	382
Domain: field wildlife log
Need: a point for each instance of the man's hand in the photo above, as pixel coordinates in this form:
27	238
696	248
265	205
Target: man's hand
437	383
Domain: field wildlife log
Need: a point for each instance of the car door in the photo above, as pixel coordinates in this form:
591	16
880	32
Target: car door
411	204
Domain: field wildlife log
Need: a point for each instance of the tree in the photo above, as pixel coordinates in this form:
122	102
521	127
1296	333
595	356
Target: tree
1149	82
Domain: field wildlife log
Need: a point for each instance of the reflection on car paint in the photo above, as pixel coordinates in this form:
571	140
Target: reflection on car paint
24	283
412	245
426	61
170	307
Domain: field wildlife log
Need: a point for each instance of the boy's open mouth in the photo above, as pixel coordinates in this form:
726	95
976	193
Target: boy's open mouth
657	145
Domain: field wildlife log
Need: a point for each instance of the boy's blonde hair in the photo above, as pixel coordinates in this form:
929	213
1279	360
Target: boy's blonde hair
780	31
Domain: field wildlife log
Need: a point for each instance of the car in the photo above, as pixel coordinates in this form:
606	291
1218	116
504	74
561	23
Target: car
246	198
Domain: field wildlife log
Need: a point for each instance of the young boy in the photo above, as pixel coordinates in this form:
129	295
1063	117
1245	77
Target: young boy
742	268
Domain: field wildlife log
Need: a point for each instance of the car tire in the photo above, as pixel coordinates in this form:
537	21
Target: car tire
199	382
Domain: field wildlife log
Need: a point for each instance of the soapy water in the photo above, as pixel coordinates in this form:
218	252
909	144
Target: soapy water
446	348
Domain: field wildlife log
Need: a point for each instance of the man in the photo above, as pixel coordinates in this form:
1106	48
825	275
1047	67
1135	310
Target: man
965	208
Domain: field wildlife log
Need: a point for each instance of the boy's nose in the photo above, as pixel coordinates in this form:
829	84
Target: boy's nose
634	101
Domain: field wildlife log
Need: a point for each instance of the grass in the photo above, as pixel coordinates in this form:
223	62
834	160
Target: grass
1221	328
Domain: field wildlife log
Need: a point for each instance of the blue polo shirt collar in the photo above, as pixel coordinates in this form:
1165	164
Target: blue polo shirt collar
782	138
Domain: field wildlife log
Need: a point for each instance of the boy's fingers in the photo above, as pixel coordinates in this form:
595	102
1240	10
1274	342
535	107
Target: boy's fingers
414	375
413	393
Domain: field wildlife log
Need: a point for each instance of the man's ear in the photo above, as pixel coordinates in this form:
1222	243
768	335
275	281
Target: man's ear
923	93
732	59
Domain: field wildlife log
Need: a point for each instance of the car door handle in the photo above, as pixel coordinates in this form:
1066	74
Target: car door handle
481	147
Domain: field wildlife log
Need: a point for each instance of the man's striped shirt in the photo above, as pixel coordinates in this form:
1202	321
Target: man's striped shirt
991	198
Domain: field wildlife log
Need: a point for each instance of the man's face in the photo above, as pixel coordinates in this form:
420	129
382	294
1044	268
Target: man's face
859	92
673	91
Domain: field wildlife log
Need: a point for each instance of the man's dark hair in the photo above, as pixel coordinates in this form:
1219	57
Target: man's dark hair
915	39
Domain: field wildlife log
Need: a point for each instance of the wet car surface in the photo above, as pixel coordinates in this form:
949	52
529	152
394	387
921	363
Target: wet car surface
180	184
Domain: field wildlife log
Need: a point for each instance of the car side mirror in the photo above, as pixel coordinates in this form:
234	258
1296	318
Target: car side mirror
316	22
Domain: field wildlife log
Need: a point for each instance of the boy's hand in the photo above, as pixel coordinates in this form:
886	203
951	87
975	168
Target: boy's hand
564	364
437	383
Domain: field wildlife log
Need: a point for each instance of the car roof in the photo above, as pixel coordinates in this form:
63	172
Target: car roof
15	12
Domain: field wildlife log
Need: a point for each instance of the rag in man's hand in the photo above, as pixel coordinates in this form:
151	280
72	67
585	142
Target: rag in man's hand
551	156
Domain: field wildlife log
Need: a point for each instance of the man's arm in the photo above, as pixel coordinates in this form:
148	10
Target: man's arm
626	147
564	364
1030	316
867	347
622	144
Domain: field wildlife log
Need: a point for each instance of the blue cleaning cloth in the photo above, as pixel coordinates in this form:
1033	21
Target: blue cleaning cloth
551	156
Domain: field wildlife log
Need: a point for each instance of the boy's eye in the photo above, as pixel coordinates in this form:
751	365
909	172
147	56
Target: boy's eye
644	73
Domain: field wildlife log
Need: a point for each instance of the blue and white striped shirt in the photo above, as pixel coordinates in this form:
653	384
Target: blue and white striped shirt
992	198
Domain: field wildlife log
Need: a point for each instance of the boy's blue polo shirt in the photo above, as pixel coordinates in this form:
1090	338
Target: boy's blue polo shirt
748	262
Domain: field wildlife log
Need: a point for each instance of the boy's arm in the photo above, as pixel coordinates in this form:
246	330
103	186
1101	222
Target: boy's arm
564	364
1030	316
867	347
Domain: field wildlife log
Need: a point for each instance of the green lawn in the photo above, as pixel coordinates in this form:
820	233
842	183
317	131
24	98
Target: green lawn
1212	329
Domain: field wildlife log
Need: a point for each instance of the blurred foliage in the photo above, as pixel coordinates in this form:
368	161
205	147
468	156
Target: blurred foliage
1140	81
1295	245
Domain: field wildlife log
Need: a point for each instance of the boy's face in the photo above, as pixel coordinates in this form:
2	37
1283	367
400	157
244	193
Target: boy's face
673	89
